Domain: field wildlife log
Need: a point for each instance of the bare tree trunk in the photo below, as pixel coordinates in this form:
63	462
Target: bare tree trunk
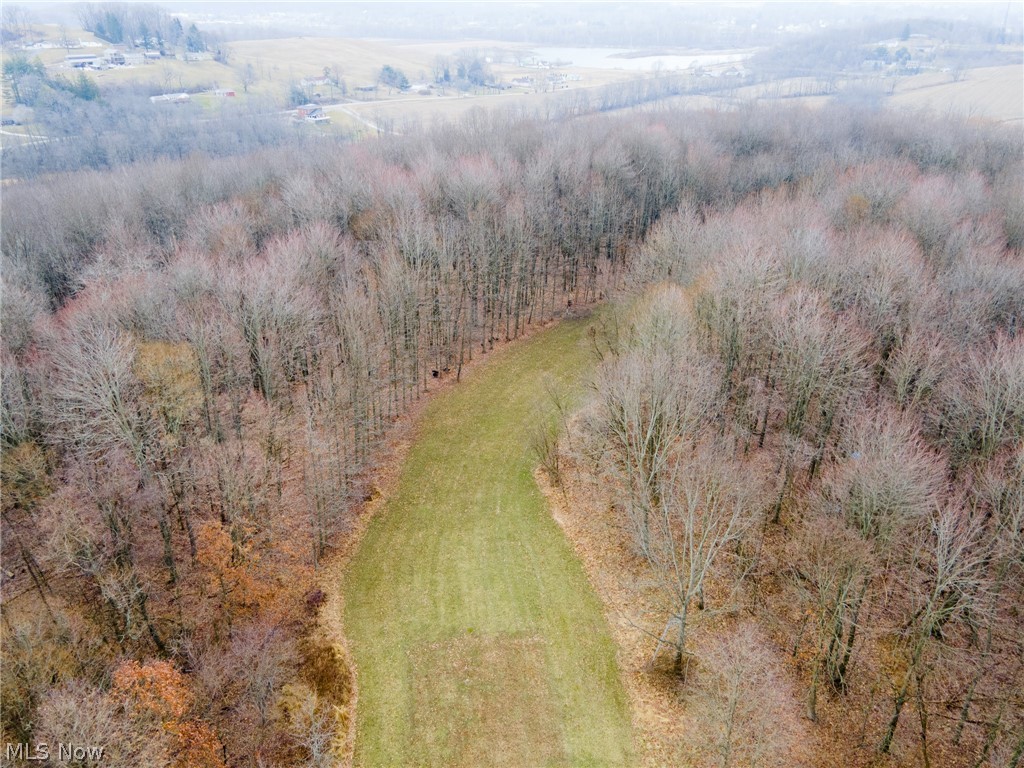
681	640
844	665
975	679
165	533
990	739
812	697
153	634
922	712
898	702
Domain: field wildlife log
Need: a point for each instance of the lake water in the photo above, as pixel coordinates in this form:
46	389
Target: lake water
605	58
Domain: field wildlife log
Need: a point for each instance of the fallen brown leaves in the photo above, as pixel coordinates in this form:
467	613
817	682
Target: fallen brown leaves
671	723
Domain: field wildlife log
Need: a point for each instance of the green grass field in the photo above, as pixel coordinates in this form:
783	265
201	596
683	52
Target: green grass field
476	636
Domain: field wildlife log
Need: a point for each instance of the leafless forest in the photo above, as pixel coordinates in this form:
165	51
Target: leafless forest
817	414
808	414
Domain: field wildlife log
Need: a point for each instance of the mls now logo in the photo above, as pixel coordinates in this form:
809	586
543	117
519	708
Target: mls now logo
65	752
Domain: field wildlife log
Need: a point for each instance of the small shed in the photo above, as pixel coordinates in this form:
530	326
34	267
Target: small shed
312	113
170	98
82	60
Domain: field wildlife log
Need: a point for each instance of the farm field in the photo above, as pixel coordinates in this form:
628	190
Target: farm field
476	636
359	61
991	92
277	63
170	76
988	93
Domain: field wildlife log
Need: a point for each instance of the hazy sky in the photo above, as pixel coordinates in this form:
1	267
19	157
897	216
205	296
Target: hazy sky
515	20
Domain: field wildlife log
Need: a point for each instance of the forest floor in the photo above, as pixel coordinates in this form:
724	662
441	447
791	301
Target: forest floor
675	721
475	634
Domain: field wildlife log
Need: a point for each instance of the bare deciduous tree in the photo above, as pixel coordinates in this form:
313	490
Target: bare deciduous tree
742	700
833	568
654	398
81	715
94	408
652	402
984	405
887	480
314	727
946	579
820	373
708	503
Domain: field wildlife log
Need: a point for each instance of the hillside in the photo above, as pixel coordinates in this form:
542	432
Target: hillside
786	452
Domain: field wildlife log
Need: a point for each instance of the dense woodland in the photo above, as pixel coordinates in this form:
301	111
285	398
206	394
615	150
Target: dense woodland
815	420
821	406
89	129
120	127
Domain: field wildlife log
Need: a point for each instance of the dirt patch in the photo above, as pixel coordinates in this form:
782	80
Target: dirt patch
457	684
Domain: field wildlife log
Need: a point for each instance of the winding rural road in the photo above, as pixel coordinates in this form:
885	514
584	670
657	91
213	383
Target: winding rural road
476	636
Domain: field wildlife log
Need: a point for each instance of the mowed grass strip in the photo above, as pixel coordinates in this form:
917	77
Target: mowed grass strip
456	685
476	636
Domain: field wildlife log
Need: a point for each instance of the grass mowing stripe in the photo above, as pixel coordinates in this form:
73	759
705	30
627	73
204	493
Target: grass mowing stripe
465	574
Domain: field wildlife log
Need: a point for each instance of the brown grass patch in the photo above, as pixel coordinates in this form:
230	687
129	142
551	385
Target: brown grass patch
327	670
484	701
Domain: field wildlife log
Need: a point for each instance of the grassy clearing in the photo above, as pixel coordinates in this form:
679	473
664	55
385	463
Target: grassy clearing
456	684
476	636
171	76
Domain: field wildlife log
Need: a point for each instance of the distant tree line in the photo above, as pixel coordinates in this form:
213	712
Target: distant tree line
393	78
833	52
140	26
661	25
83	130
467	69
